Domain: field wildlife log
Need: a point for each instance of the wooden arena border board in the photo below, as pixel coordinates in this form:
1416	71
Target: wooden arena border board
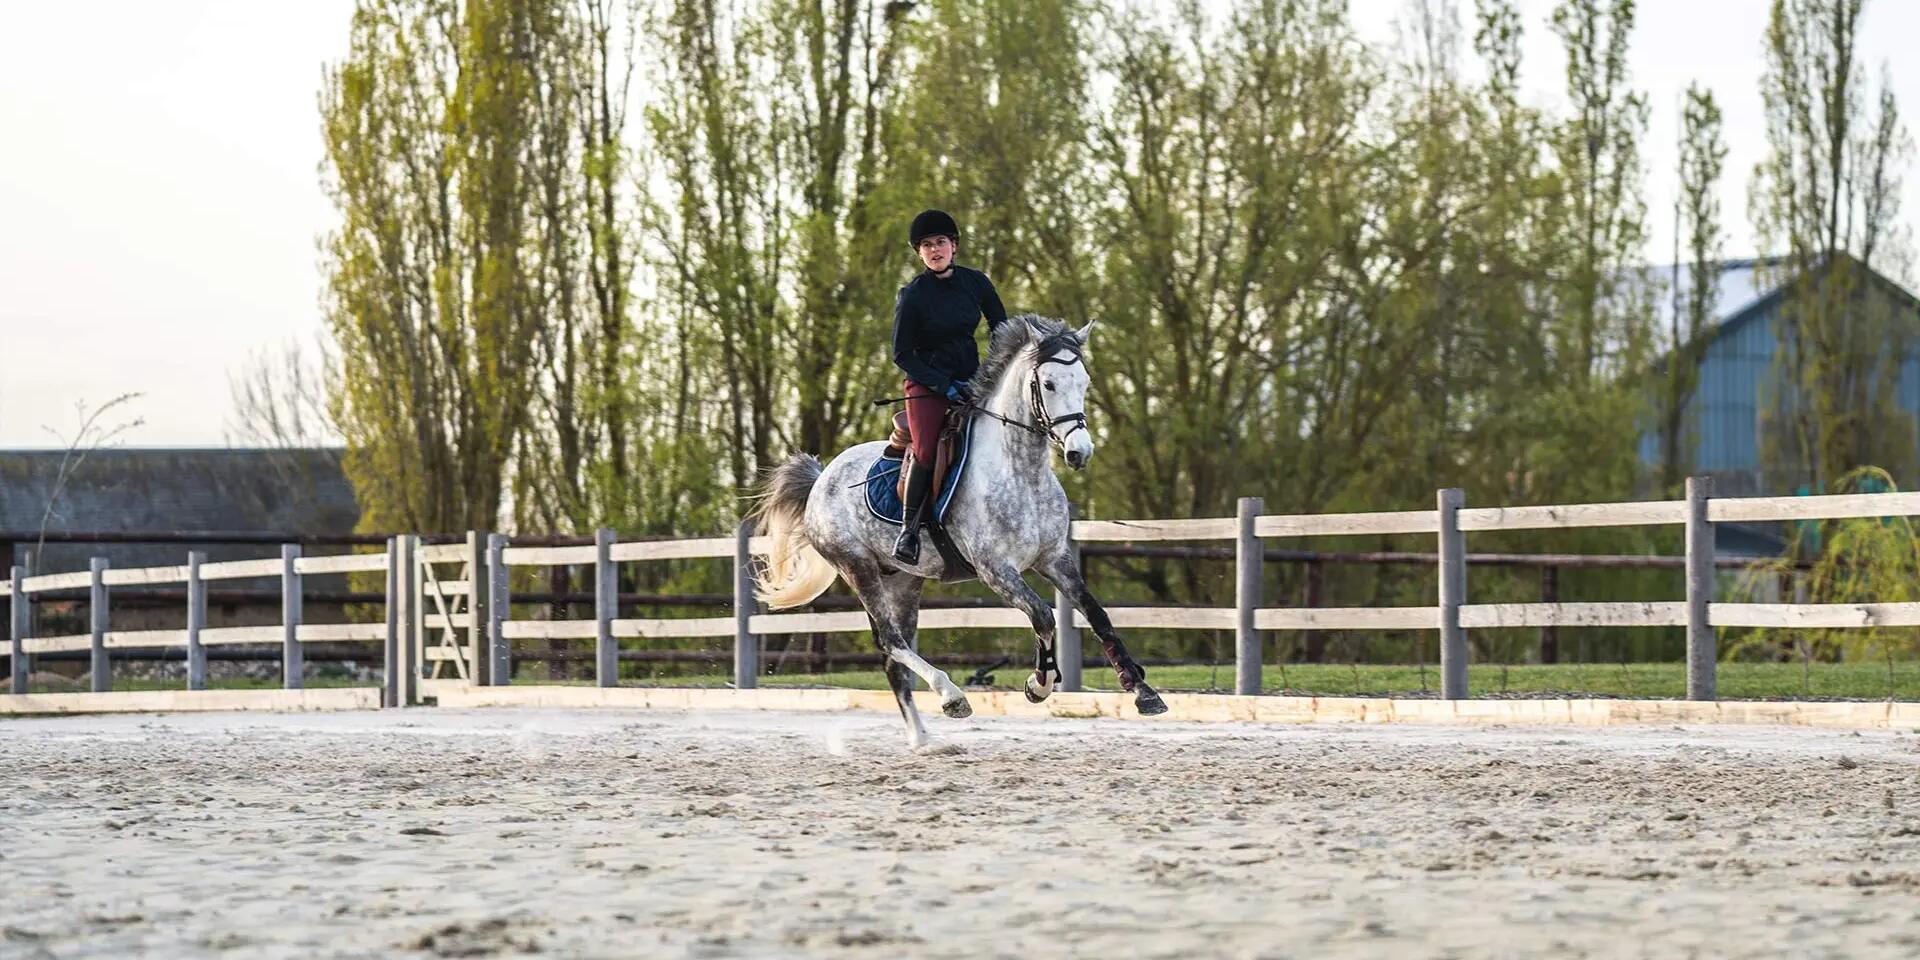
1210	707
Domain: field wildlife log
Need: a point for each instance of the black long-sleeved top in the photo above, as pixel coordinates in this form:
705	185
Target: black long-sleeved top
933	323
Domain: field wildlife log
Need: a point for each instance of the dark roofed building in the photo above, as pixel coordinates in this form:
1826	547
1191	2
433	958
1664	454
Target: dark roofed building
148	491
124	490
1737	366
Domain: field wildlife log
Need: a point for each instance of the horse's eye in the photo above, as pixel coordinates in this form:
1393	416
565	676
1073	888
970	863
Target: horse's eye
1049	385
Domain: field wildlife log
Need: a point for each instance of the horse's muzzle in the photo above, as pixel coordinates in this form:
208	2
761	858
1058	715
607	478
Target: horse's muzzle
1077	459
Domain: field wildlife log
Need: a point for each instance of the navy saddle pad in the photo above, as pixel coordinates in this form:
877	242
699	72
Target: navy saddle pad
883	493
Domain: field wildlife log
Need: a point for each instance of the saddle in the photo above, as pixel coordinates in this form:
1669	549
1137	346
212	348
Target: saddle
900	447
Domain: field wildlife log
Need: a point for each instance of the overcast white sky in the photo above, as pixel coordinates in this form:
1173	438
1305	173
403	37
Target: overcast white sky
159	200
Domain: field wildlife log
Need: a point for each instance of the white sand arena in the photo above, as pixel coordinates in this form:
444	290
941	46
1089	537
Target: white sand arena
612	834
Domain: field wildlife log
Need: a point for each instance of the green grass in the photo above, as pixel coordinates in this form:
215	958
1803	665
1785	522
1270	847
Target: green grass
1737	681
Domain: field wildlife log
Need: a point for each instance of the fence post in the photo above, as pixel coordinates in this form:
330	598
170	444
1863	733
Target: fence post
20	625
1549	634
97	614
292	661
7	549
606	605
31	565
478	655
1701	654
413	623
390	652
1453	592
1248	555
500	649
746	646
1314	642
196	621
559	581
1067	632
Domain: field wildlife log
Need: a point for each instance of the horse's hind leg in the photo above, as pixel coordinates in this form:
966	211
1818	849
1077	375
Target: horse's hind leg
1013	588
893	608
901	680
953	700
1065	574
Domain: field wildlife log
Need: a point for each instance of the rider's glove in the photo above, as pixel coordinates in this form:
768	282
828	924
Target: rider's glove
960	391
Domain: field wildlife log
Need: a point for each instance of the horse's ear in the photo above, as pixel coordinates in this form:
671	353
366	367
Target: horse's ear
1082	333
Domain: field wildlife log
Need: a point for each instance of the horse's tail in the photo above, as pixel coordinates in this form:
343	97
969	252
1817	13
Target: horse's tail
795	572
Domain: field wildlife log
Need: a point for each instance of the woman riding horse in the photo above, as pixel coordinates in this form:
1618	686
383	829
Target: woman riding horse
934	321
1010	517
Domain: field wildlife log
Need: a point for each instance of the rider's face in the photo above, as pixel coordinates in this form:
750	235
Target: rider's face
936	252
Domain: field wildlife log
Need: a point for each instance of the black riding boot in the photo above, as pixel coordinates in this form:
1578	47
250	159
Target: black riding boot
919	481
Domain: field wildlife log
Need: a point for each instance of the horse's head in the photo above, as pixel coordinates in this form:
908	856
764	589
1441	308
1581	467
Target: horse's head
1059	395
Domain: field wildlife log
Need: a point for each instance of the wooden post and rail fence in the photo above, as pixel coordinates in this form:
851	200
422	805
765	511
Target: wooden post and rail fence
449	604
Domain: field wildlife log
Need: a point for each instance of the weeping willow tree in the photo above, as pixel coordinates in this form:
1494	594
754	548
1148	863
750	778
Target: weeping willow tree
1856	561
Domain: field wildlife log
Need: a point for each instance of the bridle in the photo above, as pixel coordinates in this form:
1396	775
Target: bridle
1037	406
1038	400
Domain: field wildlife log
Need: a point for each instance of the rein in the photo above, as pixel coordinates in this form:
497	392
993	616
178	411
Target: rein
1036	399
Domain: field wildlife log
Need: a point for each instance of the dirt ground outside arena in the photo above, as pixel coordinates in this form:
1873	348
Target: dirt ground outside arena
615	834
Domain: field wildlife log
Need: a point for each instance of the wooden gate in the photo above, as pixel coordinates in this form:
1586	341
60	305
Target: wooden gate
450	619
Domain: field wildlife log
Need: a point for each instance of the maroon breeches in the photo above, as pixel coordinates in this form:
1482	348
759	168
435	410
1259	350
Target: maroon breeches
926	415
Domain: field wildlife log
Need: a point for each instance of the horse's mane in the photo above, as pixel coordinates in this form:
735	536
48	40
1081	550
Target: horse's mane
1024	335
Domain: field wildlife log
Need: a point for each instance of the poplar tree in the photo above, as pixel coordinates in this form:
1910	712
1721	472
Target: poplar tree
434	138
1827	196
1599	154
1696	214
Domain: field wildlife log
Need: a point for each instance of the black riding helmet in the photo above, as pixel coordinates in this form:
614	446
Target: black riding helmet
932	223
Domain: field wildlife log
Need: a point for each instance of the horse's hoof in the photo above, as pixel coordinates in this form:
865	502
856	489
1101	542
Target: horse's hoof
1148	701
959	709
1037	692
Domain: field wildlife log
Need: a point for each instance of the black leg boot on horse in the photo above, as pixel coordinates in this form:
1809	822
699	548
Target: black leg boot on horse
919	482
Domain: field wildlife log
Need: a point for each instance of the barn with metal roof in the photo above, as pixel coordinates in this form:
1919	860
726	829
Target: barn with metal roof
1737	375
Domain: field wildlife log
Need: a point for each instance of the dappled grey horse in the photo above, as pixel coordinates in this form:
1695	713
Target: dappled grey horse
1008	515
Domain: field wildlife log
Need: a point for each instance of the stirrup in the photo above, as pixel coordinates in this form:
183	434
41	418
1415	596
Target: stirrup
907	548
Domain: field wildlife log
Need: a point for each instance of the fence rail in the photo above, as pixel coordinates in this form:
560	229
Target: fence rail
471	610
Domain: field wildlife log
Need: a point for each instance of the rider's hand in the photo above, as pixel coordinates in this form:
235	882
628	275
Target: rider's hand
960	391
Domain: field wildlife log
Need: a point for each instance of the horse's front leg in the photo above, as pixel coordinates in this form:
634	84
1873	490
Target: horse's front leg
1011	587
1064	573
